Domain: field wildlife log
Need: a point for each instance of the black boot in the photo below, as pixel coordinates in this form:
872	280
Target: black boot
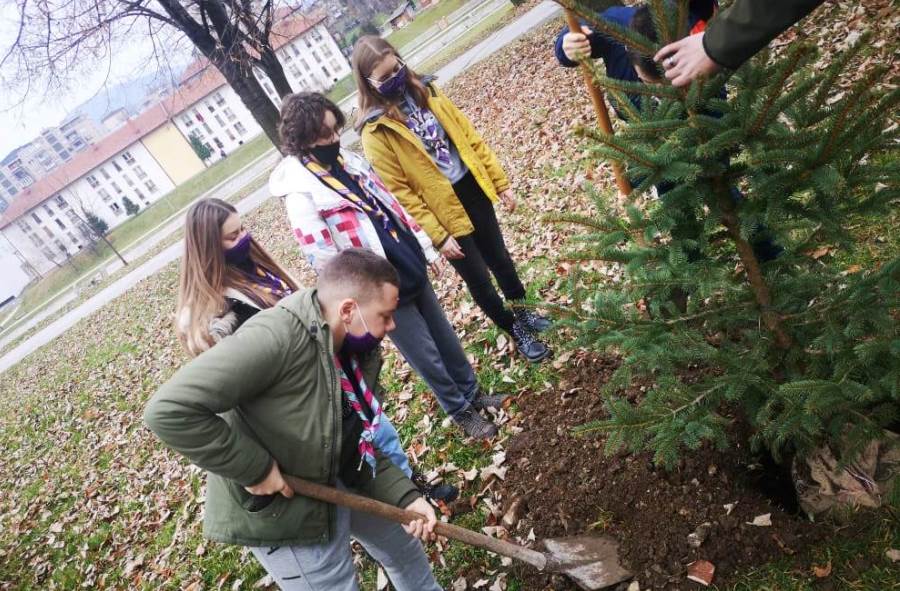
484	401
531	319
533	349
437	492
474	424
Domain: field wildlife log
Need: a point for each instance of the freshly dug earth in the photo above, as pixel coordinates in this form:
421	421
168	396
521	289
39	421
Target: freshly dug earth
571	487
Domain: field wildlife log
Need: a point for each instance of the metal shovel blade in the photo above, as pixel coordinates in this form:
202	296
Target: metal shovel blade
591	561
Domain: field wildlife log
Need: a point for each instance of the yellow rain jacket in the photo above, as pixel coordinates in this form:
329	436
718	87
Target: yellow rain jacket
400	159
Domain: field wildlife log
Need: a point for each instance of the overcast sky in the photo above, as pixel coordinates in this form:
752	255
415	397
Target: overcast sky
22	120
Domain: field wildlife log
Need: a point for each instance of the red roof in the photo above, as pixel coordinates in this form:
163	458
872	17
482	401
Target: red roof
198	81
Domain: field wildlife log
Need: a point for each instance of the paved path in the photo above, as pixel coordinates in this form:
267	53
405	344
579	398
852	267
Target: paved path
533	18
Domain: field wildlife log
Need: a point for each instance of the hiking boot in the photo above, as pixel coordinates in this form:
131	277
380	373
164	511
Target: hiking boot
436	492
474	424
533	349
531	319
484	401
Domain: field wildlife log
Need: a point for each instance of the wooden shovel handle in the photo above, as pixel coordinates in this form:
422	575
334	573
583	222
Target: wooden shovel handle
391	513
599	106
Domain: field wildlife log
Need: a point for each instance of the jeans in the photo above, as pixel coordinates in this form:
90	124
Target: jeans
387	440
329	566
430	345
486	254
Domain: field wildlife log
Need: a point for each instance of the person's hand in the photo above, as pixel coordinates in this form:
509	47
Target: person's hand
508	199
577	45
686	60
421	528
437	268
451	249
274	483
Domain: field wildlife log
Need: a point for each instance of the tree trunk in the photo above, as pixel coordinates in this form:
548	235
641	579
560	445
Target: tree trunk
275	71
254	97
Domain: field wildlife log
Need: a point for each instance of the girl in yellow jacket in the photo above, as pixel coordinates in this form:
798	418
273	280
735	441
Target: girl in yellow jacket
437	165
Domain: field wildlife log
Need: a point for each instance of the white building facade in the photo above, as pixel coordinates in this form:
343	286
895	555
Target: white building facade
52	231
220	121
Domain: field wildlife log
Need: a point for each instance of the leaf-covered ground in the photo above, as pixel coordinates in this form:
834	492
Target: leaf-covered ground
89	499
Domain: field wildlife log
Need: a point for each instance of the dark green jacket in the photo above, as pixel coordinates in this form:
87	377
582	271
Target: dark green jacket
740	31
270	392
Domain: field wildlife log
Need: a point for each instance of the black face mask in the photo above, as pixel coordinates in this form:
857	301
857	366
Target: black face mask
327	154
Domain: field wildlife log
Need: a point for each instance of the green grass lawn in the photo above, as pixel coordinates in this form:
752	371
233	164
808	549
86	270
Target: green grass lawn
401	37
128	233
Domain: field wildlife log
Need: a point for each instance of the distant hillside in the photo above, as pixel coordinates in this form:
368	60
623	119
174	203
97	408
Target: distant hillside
128	95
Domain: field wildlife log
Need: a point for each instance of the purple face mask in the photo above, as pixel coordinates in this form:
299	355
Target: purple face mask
395	84
359	344
240	252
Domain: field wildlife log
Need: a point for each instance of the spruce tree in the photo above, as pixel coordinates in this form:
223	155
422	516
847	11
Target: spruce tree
130	206
202	150
98	226
802	349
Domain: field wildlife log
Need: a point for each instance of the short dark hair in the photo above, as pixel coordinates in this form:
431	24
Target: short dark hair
301	120
357	273
642	23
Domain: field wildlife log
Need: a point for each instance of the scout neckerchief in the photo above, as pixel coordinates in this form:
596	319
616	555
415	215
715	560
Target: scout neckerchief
367	202
423	123
270	283
366	447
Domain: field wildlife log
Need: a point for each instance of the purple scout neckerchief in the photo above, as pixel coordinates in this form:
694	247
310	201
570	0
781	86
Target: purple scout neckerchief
423	123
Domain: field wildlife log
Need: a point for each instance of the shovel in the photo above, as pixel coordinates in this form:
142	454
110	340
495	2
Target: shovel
591	561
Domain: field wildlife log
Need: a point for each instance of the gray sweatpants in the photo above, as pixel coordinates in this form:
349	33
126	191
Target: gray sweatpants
329	567
427	341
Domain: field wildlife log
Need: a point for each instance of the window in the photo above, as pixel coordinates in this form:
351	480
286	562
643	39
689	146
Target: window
211	108
220	100
116	187
47	231
35	217
36	240
315	55
92	181
326	51
268	88
139	172
47	209
60	246
287	58
188	122
115	208
24	226
127	157
218	142
127	180
229	114
219	121
307	41
140	195
116	166
207	128
238	127
296	49
316	34
334	65
72	237
104	195
294	70
47	253
325	71
59	223
73	217
151	186
229	134
103	173
61	202
305	65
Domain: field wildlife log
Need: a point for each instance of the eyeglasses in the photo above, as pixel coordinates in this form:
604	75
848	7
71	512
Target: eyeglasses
399	66
326	135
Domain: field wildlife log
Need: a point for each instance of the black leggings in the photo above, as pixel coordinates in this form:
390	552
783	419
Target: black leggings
485	254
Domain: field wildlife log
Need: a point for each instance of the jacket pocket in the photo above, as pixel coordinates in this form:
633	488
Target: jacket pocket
255	505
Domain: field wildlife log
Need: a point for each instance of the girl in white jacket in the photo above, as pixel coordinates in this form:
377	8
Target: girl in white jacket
335	201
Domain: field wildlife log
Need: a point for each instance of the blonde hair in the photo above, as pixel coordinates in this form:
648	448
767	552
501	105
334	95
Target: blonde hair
205	276
368	52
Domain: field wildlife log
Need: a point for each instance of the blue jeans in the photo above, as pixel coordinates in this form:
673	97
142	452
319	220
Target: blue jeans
387	440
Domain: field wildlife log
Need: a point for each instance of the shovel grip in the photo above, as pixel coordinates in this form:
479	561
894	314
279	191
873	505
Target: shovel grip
391	513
